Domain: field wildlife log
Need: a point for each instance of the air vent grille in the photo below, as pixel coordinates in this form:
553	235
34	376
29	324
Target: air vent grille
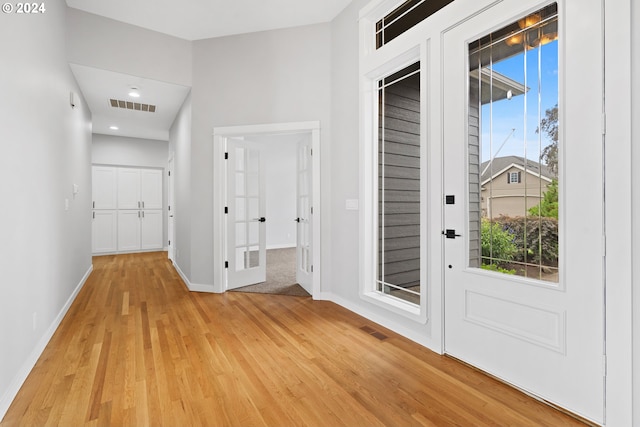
128	105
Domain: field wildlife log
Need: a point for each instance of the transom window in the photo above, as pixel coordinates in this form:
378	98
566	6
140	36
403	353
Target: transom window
405	16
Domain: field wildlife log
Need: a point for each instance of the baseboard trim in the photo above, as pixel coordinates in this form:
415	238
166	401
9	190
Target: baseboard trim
193	287
31	361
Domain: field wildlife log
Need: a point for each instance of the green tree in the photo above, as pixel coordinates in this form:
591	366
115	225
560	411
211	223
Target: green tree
548	207
497	244
549	125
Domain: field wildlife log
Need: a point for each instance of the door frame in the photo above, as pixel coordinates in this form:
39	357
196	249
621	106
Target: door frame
171	196
220	194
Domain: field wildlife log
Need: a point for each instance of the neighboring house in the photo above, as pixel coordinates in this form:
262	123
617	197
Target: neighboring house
510	187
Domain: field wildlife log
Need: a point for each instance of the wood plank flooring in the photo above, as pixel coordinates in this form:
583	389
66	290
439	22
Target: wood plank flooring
136	348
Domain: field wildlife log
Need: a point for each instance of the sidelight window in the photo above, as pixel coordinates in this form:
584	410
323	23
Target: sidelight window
399	185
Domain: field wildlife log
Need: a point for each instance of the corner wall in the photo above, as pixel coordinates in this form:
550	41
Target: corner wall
46	252
180	149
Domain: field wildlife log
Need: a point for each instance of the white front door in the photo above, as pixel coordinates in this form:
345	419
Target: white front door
304	254
246	223
524	291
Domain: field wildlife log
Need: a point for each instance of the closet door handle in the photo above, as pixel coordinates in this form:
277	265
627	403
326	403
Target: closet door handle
142	214
94	215
138	214
138	205
143	204
94	204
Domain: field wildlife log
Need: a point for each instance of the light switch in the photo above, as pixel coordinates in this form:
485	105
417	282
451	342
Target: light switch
352	204
66	204
76	189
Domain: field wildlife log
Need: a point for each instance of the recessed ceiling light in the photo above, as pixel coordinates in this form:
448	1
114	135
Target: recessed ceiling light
114	127
134	92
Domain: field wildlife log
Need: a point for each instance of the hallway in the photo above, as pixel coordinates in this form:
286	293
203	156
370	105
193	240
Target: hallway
136	348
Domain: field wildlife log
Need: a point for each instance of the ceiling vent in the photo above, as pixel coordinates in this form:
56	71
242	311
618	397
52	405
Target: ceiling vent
128	105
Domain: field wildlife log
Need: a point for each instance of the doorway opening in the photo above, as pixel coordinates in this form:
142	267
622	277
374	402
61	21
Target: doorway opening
268	187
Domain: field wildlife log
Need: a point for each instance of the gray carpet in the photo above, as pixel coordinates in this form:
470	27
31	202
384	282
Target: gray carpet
281	275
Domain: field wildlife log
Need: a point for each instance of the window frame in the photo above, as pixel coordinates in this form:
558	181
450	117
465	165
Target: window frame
376	64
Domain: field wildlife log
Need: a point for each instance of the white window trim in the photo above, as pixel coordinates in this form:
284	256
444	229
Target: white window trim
375	65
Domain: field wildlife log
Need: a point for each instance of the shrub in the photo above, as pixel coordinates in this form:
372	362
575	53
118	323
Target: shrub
536	239
494	267
497	243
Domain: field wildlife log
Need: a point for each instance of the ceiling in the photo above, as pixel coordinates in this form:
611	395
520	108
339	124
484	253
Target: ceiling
99	86
186	19
203	19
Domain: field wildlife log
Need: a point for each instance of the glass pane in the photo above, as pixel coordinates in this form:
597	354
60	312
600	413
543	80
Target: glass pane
513	145
239	155
399	185
241	212
252	258
254	232
254	210
253	184
240	184
405	16
241	233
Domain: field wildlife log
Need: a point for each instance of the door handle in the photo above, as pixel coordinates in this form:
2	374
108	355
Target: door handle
261	219
450	234
297	220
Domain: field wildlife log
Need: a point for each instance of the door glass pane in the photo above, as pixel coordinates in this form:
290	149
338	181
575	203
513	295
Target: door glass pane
399	185
240	185
513	146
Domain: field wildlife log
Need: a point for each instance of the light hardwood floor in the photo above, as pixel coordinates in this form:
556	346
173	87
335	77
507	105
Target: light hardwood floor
136	348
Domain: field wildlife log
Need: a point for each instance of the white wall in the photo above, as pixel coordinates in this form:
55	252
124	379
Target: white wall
134	152
635	159
46	148
123	151
103	43
180	148
268	77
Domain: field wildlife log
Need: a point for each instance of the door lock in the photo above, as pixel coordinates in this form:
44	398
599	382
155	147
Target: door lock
297	220
450	234
261	219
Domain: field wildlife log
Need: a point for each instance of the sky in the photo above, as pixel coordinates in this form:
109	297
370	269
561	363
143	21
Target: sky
540	75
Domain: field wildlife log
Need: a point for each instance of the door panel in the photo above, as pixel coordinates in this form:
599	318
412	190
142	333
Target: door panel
246	224
535	327
304	255
129	230
151	188
151	229
104	231
129	188
104	185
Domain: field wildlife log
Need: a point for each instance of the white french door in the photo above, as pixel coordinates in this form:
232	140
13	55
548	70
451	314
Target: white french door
246	223
536	324
304	254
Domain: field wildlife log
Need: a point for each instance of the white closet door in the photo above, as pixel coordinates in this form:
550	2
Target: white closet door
104	185
129	230
104	230
151	188
151	229
129	188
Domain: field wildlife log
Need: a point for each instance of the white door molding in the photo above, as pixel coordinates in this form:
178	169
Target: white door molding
220	194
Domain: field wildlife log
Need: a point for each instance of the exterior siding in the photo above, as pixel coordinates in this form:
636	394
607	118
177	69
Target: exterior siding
399	176
515	199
